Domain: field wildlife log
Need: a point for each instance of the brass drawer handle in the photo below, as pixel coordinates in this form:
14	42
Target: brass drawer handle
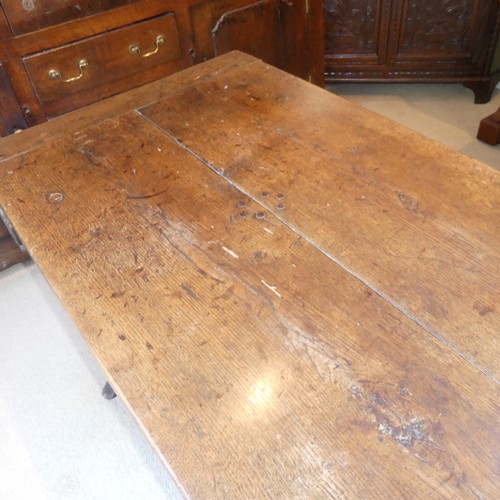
54	73
135	50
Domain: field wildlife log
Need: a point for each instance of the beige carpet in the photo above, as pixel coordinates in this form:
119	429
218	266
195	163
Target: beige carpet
59	439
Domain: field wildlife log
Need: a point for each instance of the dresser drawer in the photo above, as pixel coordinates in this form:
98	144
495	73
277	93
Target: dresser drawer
31	15
77	74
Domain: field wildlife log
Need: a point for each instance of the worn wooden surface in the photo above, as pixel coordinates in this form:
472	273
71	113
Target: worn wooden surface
415	221
224	292
33	138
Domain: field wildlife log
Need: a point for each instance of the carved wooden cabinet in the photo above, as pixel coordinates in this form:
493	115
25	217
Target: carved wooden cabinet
414	40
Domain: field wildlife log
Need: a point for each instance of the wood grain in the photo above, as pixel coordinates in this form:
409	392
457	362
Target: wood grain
257	364
416	221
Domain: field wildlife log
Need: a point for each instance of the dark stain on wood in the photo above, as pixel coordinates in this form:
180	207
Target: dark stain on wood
483	309
188	290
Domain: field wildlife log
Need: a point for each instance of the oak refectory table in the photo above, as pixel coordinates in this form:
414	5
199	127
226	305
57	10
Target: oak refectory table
295	297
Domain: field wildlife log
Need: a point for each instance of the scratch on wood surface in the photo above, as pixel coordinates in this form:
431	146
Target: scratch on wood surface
267	230
409	202
145	196
230	252
227	15
413	433
272	288
93	157
317	353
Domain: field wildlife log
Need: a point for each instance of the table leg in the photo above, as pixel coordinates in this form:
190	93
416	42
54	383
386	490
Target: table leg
108	392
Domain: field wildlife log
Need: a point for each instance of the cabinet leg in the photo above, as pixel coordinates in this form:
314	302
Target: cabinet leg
489	129
482	90
108	392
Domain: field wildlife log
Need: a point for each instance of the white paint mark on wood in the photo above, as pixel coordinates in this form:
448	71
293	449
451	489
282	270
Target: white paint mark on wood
272	288
230	252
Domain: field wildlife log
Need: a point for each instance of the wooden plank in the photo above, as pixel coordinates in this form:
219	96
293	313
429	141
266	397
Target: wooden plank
415	220
32	138
142	96
256	365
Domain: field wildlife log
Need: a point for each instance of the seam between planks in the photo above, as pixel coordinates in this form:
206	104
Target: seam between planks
381	294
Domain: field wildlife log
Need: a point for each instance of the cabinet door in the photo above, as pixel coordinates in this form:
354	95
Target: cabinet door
356	35
287	34
446	35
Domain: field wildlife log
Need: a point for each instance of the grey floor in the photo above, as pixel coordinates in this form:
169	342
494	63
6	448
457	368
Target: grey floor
59	439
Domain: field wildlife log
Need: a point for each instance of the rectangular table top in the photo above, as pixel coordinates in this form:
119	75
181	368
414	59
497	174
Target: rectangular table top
294	296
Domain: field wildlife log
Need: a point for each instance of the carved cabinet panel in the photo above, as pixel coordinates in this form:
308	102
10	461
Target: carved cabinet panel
414	40
435	26
353	27
450	30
